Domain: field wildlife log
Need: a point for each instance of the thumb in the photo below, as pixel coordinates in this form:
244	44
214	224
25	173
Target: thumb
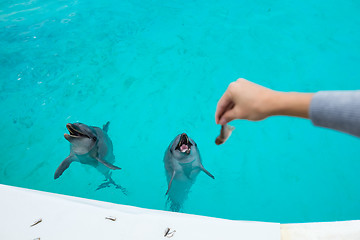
228	116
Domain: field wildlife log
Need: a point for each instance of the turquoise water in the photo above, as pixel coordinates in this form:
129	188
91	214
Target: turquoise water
155	69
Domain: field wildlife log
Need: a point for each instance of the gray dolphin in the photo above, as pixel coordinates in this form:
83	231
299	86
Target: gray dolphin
182	165
89	145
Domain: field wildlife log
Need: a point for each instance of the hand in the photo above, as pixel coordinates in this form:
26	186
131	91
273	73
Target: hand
244	100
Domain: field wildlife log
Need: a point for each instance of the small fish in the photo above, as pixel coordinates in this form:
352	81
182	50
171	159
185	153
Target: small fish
169	234
225	133
111	218
36	222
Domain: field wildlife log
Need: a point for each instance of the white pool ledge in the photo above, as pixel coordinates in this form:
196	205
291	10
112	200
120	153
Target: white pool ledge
65	217
345	230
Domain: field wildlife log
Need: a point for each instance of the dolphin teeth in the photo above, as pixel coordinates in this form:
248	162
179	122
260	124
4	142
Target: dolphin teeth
74	132
184	140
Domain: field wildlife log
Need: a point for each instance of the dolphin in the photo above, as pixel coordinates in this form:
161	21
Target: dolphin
89	145
182	165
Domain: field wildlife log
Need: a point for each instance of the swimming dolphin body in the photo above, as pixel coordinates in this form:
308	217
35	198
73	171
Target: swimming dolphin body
89	145
182	165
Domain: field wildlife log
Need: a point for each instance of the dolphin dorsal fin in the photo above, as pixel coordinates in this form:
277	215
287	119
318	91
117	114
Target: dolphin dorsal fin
106	126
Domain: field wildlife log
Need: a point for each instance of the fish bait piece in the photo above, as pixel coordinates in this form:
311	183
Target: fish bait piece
36	222
169	234
225	133
111	218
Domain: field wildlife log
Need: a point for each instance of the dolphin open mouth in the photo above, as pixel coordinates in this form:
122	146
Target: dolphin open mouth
184	144
74	131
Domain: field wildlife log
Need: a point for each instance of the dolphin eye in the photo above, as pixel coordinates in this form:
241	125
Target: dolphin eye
94	138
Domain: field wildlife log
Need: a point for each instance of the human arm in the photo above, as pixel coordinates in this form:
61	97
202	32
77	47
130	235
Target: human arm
339	110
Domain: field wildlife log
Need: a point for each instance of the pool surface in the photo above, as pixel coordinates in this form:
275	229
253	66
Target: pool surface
155	69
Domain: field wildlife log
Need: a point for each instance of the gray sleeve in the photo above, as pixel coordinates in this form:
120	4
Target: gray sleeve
339	110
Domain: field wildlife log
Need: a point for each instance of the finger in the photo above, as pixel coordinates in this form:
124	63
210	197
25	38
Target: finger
224	110
228	116
225	103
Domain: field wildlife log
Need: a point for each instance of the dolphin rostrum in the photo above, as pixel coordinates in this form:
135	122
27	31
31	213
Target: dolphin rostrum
89	145
182	165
